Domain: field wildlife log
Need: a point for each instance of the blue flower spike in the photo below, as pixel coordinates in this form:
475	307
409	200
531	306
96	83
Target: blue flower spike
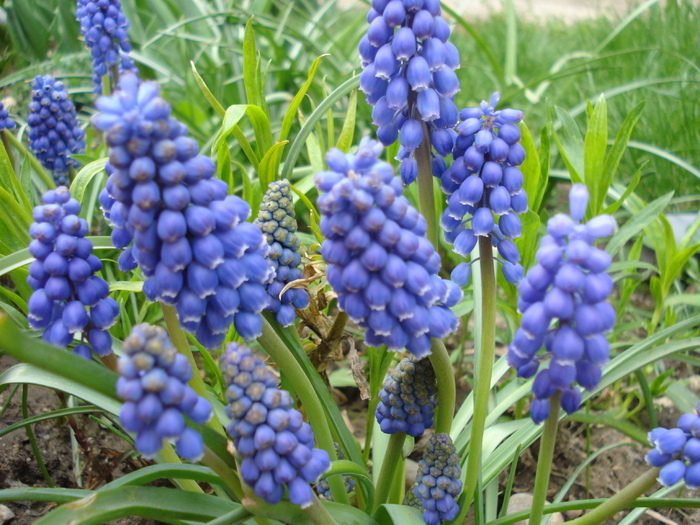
176	222
105	30
677	451
277	222
275	445
563	299
69	300
54	131
5	121
157	399
407	398
485	185
438	483
409	77
380	263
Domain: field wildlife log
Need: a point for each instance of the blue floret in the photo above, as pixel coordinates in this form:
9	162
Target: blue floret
438	483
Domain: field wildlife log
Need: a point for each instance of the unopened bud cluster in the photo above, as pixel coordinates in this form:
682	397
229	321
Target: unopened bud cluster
153	384
277	222
566	290
407	398
438	483
677	451
104	27
68	299
54	133
275	444
409	77
380	263
484	181
190	238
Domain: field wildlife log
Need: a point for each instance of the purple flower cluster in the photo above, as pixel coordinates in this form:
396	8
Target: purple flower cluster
438	481
407	398
5	121
409	77
569	287
54	133
64	281
190	238
153	384
677	450
277	222
271	437
484	180
104	26
380	263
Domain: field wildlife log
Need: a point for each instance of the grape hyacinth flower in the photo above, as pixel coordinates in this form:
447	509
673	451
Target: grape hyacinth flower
190	239
274	443
68	299
54	133
409	77
568	289
153	384
380	263
104	27
407	398
483	181
677	451
277	222
5	121
438	483
323	488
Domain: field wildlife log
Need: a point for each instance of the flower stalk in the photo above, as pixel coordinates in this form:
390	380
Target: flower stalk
446	387
393	453
426	195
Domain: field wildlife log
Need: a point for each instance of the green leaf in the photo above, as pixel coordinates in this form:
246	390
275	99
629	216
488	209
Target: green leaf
313	214
296	101
251	70
666	155
300	140
128	286
594	147
157	503
88	409
208	95
534	184
612	159
345	467
628	191
398	515
83	178
570	145
637	223
261	126
270	165
166	471
54	495
347	133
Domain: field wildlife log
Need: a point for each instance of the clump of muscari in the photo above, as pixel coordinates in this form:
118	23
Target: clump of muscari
5	121
277	222
380	263
483	181
438	481
407	398
54	132
568	289
153	384
104	27
271	437
64	281
190	238
323	487
409	77
677	451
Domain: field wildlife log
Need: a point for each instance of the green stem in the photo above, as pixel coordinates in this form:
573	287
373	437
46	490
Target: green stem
180	341
482	378
226	473
280	354
619	501
32	439
446	387
426	197
391	457
319	514
544	461
8	150
169	456
17	144
648	398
